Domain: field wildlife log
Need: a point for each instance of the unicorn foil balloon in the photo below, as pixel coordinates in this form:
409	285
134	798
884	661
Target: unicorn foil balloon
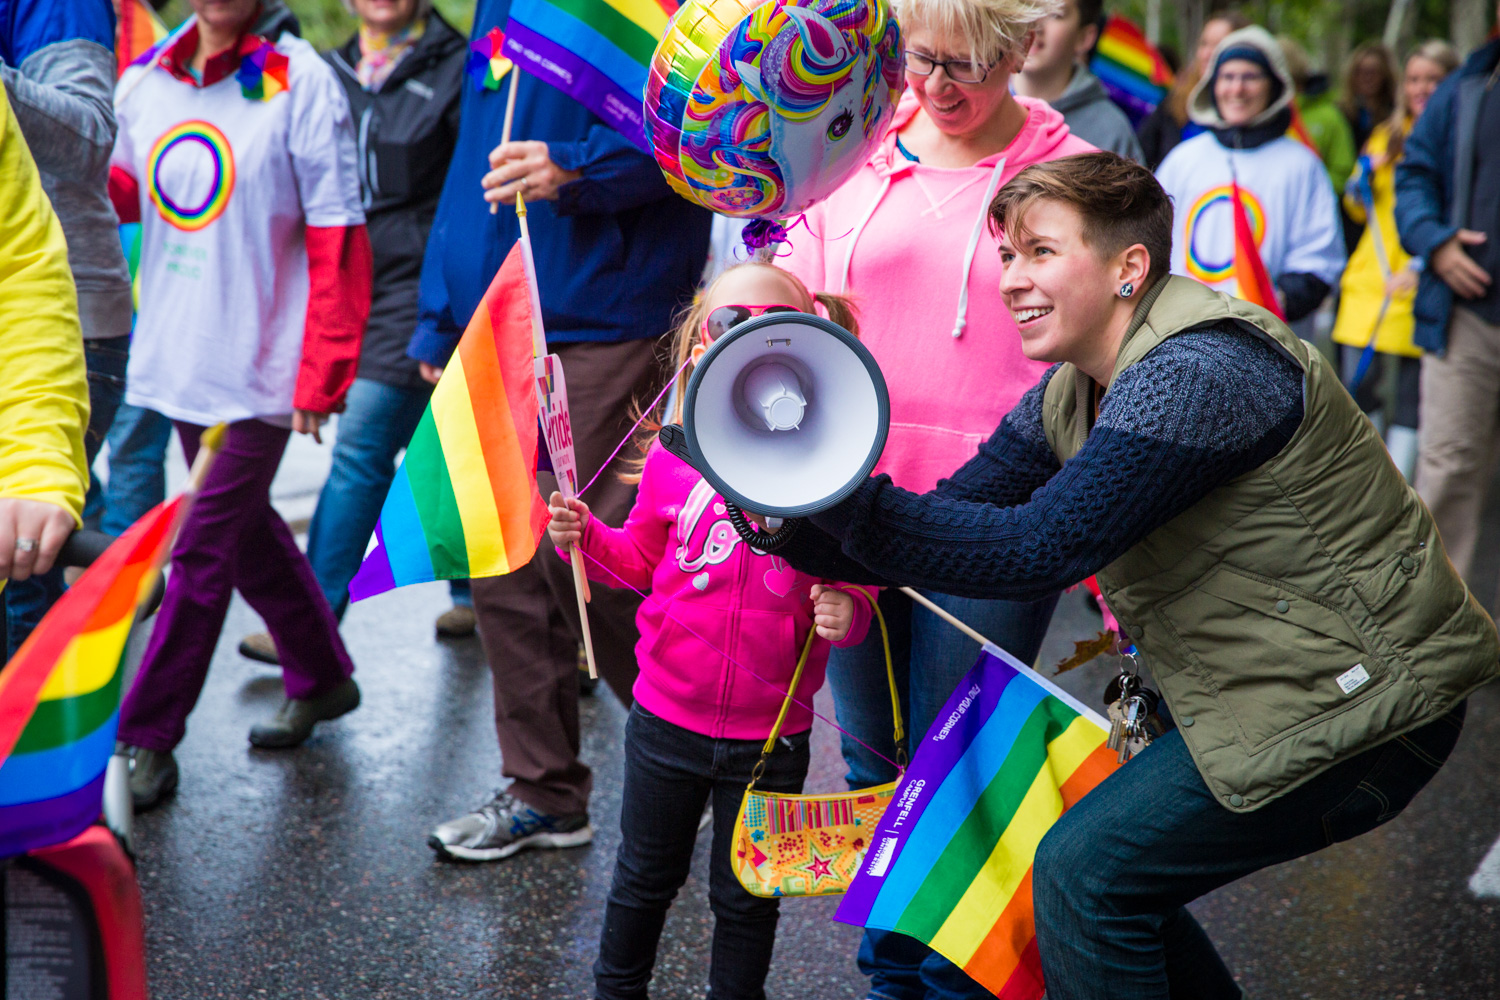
760	110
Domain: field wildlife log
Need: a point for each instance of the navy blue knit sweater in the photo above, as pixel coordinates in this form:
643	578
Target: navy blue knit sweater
1201	409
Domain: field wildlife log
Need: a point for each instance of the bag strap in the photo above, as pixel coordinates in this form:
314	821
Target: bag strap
786	703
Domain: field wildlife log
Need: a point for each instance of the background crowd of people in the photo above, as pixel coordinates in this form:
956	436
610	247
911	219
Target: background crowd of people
312	241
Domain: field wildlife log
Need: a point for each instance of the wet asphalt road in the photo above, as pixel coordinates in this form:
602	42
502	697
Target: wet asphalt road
304	873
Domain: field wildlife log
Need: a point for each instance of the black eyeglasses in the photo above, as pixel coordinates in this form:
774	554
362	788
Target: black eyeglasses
958	70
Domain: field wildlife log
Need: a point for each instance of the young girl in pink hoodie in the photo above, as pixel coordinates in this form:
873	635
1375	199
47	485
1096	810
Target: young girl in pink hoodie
718	610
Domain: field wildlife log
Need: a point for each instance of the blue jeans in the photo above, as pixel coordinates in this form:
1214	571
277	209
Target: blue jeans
670	774
1112	878
28	600
930	657
137	466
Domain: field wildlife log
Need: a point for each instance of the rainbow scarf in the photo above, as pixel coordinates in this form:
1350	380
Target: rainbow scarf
138	32
263	70
60	694
486	65
598	52
1249	270
464	502
950	861
1133	72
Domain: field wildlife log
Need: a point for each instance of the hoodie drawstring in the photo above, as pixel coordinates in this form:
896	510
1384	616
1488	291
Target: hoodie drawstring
885	185
962	319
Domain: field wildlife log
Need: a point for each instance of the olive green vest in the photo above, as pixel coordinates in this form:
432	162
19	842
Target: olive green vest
1301	613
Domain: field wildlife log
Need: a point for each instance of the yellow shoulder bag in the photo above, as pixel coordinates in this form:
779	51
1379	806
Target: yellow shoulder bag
810	845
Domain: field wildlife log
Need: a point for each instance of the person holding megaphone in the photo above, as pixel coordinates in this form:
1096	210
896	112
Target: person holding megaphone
1289	591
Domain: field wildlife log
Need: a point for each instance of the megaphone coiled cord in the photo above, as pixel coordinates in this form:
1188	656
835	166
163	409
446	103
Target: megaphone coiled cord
763	540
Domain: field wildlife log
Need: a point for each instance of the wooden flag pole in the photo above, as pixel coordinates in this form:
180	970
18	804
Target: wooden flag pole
510	117
945	616
539	350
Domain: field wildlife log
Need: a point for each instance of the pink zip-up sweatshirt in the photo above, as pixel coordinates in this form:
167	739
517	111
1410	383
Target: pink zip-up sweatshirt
910	244
723	597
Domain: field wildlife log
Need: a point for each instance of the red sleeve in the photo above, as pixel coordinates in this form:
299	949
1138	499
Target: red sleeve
125	193
339	273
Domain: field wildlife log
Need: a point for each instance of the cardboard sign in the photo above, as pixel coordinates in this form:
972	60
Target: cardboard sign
557	430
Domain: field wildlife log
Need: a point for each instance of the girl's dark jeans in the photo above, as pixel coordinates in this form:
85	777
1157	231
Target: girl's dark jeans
670	773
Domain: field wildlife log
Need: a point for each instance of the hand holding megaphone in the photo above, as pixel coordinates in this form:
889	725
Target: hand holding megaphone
785	415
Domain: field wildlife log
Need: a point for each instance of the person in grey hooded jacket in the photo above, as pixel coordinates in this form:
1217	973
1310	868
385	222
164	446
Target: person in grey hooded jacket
58	64
1056	71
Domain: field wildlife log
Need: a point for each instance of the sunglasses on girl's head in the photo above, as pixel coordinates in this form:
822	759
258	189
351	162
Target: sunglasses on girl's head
719	321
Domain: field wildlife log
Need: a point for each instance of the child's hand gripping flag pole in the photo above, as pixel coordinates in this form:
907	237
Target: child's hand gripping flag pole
60	694
557	429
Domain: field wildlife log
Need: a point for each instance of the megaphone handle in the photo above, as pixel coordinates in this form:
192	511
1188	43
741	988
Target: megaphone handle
766	541
580	588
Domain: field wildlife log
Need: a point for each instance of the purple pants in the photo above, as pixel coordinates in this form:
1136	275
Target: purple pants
232	538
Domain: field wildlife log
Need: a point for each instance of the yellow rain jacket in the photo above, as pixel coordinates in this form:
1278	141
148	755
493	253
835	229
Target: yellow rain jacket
44	396
1363	286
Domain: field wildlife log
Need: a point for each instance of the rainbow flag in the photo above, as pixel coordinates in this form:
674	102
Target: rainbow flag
596	51
1298	130
950	861
137	32
464	502
60	694
1249	270
1133	72
161	44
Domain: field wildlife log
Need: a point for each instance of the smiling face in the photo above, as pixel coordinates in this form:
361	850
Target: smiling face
385	17
958	109
1061	293
1060	42
1242	90
1419	82
225	16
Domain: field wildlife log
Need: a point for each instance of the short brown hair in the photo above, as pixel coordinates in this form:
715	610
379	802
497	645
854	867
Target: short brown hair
1120	201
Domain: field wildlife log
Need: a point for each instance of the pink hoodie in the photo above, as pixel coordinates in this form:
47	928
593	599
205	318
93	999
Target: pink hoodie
750	605
910	244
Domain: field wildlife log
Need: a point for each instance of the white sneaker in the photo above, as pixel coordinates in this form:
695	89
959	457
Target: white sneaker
505	825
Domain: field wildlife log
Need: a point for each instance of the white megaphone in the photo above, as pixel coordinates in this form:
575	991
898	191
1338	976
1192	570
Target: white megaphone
785	415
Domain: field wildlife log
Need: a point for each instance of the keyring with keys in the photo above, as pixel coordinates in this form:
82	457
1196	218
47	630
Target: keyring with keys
1132	708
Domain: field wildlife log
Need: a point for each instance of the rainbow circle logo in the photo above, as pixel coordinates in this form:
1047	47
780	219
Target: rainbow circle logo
1198	263
177	140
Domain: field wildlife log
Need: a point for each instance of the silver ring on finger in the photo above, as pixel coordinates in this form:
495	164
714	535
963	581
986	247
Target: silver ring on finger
525	183
26	544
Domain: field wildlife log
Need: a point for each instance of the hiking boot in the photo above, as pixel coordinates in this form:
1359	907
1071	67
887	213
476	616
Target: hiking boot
456	623
153	776
503	826
260	647
294	720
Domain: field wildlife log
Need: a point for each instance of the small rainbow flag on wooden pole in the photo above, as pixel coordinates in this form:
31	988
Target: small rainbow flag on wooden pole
1249	270
596	51
950	861
1133	72
60	693
464	502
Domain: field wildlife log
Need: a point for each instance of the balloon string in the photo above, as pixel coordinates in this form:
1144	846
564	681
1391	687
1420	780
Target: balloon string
771	684
636	426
